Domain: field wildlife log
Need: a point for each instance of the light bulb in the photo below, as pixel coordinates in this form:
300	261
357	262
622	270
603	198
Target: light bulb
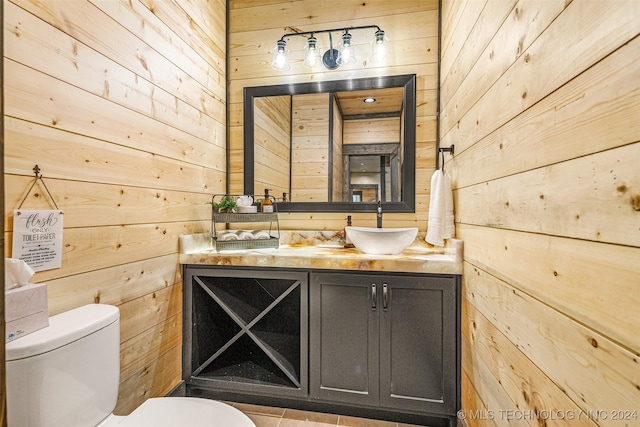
279	61
379	48
311	52
347	52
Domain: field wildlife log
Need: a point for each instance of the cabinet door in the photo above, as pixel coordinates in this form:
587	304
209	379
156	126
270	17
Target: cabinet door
418	344
344	338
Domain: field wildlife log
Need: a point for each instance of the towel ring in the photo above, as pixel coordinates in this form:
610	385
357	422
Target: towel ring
442	150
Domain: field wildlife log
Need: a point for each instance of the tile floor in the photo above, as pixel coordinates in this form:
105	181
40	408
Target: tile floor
264	416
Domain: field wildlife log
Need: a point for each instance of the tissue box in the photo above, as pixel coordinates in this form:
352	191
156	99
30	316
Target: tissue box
26	310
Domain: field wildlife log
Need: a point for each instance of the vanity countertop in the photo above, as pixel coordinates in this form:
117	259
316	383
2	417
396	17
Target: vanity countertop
321	250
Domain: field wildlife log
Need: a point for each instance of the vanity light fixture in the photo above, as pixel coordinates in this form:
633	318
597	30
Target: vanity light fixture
332	58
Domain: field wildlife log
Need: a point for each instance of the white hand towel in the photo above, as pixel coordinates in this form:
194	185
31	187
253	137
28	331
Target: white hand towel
440	225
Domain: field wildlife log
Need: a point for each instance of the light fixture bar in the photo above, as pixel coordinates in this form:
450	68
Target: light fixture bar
333	30
332	58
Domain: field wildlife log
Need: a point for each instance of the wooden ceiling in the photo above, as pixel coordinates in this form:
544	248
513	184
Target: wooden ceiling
388	102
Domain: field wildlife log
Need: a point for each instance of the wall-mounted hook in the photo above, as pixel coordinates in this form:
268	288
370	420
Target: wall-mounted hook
448	149
36	171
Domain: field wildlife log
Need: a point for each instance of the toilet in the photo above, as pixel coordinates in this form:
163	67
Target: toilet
67	374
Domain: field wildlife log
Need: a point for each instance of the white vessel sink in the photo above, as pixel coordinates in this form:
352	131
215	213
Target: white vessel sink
381	241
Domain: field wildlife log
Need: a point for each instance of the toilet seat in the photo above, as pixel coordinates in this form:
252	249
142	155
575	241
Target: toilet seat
182	412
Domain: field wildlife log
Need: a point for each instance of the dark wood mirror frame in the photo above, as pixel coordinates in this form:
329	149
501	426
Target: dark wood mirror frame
407	82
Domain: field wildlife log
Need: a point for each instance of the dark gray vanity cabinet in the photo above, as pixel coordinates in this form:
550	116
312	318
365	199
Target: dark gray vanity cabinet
246	330
373	344
385	340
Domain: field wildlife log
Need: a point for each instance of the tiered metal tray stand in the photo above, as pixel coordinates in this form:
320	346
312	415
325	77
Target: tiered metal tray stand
233	217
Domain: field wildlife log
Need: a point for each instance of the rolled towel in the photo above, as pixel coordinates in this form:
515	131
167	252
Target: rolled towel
261	234
227	236
245	235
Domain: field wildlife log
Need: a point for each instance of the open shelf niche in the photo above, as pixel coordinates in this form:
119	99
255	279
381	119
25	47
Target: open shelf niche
247	330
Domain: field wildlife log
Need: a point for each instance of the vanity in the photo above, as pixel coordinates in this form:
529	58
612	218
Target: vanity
315	326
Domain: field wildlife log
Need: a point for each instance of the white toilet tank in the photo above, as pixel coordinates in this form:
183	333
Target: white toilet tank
66	374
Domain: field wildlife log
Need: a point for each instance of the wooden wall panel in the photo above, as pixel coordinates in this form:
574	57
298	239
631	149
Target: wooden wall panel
113	285
581	361
412	27
310	160
577	119
593	24
107	204
122	104
252	18
33	96
541	102
595	205
372	130
150	344
518	30
67	60
471	399
272	151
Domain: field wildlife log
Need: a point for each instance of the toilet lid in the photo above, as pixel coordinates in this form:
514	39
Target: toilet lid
187	412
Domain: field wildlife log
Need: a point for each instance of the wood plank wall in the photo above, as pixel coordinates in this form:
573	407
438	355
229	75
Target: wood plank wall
412	27
542	101
272	150
122	104
310	154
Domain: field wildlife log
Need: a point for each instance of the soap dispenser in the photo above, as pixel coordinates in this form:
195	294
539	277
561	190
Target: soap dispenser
347	241
267	204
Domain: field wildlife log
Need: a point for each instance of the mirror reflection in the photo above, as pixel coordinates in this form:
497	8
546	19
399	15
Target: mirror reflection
331	149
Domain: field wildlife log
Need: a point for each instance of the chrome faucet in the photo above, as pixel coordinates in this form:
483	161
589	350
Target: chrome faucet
379	215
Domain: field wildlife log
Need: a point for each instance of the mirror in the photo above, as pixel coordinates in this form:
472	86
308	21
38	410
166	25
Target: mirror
318	147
